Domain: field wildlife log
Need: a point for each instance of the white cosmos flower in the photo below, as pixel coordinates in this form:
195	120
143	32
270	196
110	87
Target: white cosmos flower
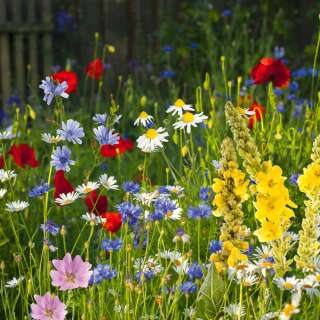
147	198
14	282
143	119
92	218
109	182
67	198
16	206
48	138
188	120
178	108
87	187
2	193
6	175
152	139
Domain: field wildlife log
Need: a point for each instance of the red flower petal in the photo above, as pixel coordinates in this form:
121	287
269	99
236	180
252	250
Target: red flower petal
68	76
24	155
94	69
110	151
259	111
96	204
61	184
114	221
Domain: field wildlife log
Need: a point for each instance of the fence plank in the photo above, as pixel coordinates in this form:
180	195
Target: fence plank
4	56
33	46
47	38
18	49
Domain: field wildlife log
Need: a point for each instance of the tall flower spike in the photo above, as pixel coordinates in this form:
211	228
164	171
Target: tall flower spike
245	144
231	191
309	183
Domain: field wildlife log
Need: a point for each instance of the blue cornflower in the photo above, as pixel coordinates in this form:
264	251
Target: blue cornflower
139	236
163	190
64	20
13	100
60	159
111	245
294	178
50	227
194	271
250	250
130	212
279	52
188	287
311	72
293	86
167	48
277	91
205	193
102	272
280	107
146	275
100	118
39	190
167	74
194	45
52	90
71	131
249	83
131	187
156	216
106	136
291	97
226	13
215	246
167	207
202	211
297	111
299	73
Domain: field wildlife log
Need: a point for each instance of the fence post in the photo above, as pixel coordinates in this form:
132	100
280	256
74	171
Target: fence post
47	40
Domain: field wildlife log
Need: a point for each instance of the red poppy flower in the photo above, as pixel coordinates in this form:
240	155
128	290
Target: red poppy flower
96	204
24	155
69	77
61	184
113	221
258	110
111	151
94	69
1	162
270	69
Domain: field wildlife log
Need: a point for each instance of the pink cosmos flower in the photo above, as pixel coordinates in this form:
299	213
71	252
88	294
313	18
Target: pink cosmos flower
48	307
70	274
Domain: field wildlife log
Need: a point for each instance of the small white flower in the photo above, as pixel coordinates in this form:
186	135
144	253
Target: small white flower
289	283
14	282
183	237
109	182
147	198
151	264
235	311
309	285
92	218
188	120
178	107
65	199
180	265
48	138
87	187
152	139
178	190
291	308
217	164
16	206
170	255
143	119
7	134
175	214
2	193
263	252
248	280
6	175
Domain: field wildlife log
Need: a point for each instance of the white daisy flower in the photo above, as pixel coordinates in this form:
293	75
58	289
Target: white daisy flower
146	198
291	308
67	198
289	283
248	280
180	265
92	218
7	134
16	206
246	112
178	107
188	120
6	175
143	119
48	138
152	139
235	311
14	282
151	264
178	190
87	187
170	255
181	236
109	182
263	252
2	193
309	285
174	214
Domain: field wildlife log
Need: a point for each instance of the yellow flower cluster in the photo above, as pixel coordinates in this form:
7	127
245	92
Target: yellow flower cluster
309	182
231	191
272	203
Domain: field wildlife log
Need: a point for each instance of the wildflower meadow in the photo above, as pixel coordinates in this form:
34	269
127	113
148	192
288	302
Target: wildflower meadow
187	191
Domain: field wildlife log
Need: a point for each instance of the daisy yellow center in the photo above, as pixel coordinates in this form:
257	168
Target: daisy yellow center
143	115
288	310
188	117
318	277
288	285
87	189
179	103
151	134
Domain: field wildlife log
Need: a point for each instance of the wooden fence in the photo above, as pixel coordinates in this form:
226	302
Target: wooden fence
25	44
